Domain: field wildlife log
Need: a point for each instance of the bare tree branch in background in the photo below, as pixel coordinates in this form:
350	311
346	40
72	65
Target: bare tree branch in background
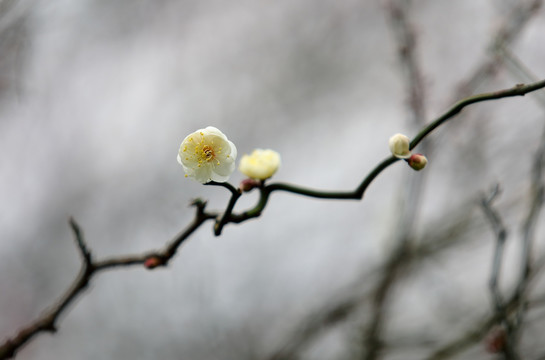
443	236
509	313
505	323
509	30
406	41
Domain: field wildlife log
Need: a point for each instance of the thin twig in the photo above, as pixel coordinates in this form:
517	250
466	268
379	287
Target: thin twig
518	90
47	321
78	235
537	191
501	235
520	71
406	40
443	237
509	347
473	335
399	258
507	33
482	327
315	324
478	331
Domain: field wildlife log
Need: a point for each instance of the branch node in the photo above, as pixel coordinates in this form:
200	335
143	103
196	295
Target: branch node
50	328
199	204
154	261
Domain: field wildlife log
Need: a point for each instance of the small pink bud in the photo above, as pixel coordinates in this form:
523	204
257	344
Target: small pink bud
153	262
417	161
248	184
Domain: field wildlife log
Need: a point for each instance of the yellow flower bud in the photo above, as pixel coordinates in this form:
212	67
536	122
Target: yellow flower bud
260	165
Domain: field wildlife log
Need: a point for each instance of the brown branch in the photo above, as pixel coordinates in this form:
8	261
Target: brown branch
509	345
537	192
507	33
482	327
442	238
520	71
518	90
501	236
150	260
317	323
517	302
470	337
399	258
47	322
405	36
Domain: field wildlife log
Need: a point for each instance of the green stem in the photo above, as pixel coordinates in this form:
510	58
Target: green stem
356	194
518	90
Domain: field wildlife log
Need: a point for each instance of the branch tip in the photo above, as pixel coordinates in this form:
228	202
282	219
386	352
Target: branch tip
80	241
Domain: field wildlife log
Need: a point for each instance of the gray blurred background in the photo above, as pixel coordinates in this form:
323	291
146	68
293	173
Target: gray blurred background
96	96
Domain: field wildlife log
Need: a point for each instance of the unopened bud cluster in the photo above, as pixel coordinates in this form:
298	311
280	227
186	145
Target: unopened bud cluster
400	147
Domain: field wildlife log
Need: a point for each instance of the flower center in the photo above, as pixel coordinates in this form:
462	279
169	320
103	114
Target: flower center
208	153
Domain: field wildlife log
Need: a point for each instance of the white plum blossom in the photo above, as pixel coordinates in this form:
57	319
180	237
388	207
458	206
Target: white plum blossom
207	155
260	165
399	146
